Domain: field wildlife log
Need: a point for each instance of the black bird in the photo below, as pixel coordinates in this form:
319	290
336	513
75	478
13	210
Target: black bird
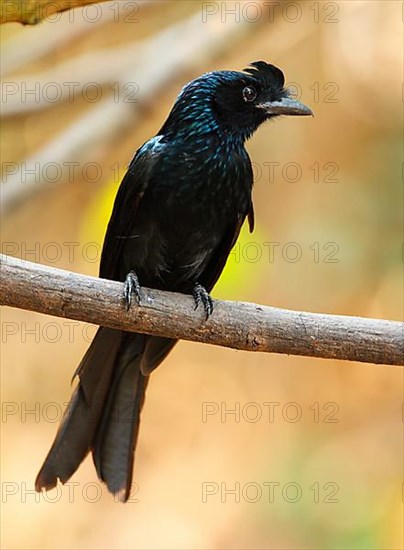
176	217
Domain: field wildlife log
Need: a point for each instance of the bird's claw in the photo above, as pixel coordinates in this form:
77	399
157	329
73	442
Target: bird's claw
131	288
201	296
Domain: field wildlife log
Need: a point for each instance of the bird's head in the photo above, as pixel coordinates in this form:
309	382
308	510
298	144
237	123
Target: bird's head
234	102
247	100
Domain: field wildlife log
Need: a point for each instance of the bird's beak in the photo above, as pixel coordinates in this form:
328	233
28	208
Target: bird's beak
285	106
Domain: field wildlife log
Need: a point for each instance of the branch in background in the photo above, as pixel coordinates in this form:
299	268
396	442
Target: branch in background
236	325
24	48
31	12
83	69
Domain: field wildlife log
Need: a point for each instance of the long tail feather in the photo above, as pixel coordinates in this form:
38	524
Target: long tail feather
104	412
76	433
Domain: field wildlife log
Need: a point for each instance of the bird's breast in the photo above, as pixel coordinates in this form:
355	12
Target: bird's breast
186	213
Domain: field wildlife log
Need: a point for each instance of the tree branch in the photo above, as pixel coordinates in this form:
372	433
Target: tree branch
31	12
236	325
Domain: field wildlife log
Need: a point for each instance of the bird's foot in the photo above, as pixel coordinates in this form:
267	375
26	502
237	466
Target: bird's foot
201	296
131	288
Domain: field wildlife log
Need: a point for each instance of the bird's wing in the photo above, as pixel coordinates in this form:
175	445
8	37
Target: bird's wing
129	196
216	265
251	218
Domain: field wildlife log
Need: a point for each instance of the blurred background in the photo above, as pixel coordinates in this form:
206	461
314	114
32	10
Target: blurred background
236	450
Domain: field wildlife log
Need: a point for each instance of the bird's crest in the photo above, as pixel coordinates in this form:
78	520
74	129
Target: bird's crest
268	74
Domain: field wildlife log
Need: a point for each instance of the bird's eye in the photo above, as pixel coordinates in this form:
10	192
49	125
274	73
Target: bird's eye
249	93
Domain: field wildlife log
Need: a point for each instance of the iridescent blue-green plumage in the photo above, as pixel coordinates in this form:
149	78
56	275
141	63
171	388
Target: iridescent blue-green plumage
177	214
